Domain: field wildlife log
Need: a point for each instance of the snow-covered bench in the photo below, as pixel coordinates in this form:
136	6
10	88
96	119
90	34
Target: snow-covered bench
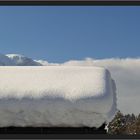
51	96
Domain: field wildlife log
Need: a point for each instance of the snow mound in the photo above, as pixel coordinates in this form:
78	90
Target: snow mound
4	60
21	60
56	96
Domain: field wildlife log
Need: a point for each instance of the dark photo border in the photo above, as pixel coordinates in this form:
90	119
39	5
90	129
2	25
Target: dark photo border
68	3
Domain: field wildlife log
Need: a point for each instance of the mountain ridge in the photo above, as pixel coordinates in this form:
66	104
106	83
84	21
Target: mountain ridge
17	60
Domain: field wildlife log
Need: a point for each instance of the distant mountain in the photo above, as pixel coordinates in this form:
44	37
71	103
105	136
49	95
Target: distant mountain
21	60
17	60
6	61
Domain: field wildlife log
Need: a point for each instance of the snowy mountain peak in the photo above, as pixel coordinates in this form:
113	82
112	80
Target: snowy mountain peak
4	61
14	55
21	60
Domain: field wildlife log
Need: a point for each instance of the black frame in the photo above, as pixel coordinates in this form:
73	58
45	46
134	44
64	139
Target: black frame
68	3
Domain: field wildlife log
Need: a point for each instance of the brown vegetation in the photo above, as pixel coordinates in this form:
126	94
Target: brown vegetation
124	124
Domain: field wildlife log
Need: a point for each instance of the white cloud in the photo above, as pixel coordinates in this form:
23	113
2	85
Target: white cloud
126	73
46	63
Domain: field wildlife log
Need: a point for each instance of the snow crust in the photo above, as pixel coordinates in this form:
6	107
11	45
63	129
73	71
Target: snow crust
56	96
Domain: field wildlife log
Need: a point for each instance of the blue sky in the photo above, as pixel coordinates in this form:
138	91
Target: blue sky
61	33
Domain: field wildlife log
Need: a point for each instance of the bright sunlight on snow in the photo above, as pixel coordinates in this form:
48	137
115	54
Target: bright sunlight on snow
56	96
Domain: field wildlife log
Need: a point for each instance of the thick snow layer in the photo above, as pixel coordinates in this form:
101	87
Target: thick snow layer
56	96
